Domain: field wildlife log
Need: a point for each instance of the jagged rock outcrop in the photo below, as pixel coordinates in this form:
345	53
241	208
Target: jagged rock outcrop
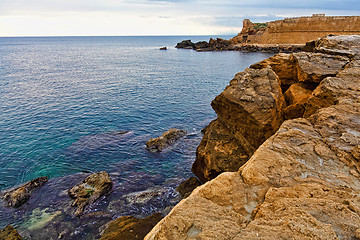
130	228
186	187
89	190
249	111
18	196
167	139
9	233
303	182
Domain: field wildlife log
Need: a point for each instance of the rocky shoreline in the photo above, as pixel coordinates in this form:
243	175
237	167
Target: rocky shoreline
220	44
281	161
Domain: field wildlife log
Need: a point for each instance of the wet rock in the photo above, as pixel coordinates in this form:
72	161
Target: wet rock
202	44
9	233
130	228
249	111
87	192
186	187
187	44
18	196
163	48
314	67
165	140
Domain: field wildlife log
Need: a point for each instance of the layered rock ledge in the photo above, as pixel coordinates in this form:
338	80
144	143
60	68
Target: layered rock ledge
292	125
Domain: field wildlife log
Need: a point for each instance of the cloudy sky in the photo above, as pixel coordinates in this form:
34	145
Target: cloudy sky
153	17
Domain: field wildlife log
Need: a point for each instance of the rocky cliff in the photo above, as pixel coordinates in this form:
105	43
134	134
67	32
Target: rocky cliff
292	125
297	30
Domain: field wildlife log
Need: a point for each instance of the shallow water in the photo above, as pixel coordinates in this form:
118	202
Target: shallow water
63	101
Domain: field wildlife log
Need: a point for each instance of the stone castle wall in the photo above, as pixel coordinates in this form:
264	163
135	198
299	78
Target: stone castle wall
298	30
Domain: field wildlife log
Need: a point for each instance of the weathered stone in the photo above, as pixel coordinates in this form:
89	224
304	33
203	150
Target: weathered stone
187	44
130	228
249	111
314	67
283	65
296	96
165	140
303	182
186	187
343	87
9	233
18	196
87	192
355	152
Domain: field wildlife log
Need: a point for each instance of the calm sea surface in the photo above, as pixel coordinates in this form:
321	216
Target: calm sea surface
63	99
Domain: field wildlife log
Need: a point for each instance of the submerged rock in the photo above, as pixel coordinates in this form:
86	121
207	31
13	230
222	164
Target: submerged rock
130	228
87	192
18	196
165	140
9	233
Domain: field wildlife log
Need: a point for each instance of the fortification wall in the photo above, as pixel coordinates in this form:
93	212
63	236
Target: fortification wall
300	30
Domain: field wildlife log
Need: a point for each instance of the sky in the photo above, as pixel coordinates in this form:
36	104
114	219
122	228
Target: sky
153	17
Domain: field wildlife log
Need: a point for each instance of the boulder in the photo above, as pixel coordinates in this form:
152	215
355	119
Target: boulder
89	190
249	111
186	187
18	196
314	67
283	65
130	228
167	139
187	44
202	44
9	233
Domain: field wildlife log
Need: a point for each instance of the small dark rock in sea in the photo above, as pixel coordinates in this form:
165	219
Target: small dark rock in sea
165	140
18	196
92	188
9	233
129	227
186	187
163	48
187	44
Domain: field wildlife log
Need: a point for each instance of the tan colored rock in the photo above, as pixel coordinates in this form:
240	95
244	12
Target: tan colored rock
130	228
297	97
91	188
165	140
283	64
20	195
219	151
314	67
249	111
355	151
9	233
344	87
303	182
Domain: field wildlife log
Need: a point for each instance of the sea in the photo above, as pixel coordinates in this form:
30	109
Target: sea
72	106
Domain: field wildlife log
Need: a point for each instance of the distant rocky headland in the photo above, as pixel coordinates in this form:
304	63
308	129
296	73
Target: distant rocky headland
282	159
288	35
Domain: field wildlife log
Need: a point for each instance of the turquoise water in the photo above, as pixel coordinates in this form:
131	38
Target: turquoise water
54	91
64	99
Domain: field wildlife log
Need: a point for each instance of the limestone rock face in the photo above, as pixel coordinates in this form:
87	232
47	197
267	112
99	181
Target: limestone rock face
9	233
18	196
130	228
314	67
165	140
297	97
249	111
91	188
303	182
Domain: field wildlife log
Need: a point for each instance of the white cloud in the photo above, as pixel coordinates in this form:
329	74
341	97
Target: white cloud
151	17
